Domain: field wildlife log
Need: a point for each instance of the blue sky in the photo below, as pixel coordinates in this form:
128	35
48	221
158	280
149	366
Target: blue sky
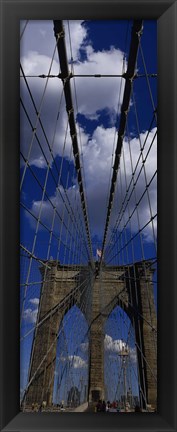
98	47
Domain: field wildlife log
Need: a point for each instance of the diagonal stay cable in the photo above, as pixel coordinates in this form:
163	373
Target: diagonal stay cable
53	159
61	304
58	30
43	359
129	76
24	28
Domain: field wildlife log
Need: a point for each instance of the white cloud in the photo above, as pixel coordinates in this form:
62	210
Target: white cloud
147	203
78	34
75	361
30	315
42	32
112	345
45	210
97	157
133	356
52	114
35	63
34	301
93	95
84	346
96	94
115	346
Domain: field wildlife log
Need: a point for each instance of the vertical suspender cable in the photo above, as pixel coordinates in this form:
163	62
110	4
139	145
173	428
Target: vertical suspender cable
129	76
65	76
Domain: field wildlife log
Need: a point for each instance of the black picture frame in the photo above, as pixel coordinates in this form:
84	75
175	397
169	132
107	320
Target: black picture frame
166	14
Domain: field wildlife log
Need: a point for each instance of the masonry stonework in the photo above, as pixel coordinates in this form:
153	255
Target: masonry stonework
128	287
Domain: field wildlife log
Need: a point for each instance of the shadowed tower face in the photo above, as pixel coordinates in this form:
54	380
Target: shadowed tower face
129	287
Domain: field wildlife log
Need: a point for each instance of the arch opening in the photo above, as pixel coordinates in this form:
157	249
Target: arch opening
72	357
121	378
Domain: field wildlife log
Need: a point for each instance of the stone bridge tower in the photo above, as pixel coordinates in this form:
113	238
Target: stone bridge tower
127	286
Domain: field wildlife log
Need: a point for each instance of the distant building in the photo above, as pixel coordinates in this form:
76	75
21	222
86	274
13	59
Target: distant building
123	400
136	400
73	397
130	398
106	393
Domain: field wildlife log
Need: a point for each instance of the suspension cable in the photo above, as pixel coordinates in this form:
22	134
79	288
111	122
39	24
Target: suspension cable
129	75
59	34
